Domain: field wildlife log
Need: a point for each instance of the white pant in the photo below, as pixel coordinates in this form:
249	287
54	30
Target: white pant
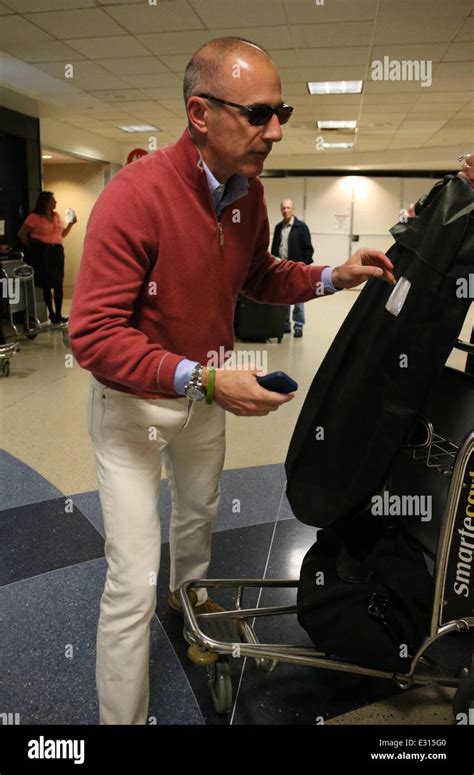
132	438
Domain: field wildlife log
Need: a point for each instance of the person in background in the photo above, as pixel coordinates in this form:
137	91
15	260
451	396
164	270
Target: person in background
292	240
42	234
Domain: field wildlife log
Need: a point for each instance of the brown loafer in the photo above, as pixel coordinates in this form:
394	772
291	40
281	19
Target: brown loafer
208	607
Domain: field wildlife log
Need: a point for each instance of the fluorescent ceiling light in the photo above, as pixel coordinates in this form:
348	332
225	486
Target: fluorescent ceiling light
338	145
140	128
46	156
335	87
337	124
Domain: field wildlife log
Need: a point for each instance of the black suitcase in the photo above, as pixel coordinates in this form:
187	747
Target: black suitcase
256	322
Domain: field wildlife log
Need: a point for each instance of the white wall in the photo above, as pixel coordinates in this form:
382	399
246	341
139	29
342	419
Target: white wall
337	208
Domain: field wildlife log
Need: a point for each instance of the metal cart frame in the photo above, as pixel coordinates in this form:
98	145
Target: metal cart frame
32	326
214	638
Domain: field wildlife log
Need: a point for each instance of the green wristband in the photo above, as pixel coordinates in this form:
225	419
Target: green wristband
211	382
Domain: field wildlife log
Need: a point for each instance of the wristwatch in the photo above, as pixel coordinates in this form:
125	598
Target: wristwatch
194	389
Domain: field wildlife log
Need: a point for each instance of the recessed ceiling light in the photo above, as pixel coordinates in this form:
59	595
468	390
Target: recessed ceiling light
338	145
335	87
46	156
140	128
337	124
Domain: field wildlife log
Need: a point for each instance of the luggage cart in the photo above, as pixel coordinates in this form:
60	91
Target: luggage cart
215	638
7	351
23	308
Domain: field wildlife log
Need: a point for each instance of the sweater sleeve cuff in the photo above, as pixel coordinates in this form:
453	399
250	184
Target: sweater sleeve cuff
165	373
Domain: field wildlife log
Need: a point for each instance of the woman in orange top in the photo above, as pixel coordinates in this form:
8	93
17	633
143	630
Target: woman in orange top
43	233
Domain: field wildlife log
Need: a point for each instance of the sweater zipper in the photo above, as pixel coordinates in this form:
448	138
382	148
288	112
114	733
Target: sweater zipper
221	234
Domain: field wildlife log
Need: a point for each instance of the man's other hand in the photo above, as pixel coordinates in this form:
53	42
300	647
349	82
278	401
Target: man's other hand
467	171
362	266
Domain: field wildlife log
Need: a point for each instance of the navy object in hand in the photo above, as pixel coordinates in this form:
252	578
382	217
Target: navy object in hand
278	381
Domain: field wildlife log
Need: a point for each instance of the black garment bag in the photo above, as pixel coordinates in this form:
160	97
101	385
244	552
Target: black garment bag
371	386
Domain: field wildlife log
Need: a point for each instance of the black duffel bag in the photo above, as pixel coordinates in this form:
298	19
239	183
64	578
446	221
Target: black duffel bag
365	594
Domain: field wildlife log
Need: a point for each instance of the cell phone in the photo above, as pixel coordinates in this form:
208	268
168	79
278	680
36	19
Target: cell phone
278	381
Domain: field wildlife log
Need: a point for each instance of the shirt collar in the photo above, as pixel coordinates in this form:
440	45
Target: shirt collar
290	223
236	187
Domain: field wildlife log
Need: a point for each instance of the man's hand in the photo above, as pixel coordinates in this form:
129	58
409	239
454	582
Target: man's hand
467	171
237	391
362	266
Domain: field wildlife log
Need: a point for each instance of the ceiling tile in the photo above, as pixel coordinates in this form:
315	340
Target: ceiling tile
434	98
176	62
96	48
46	51
411	51
343	55
137	105
86	75
153	80
425	30
176	15
303	12
25	6
174	42
460	52
324	35
285	57
303	75
133	65
163	92
14	30
235	13
269	37
86	23
117	95
467	30
386	100
408	11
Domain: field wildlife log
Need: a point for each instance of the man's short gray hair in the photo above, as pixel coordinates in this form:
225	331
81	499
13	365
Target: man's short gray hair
204	70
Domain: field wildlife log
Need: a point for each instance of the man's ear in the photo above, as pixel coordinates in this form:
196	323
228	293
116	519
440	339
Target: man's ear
197	115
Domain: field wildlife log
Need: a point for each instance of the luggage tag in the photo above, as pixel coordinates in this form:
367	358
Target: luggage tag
398	296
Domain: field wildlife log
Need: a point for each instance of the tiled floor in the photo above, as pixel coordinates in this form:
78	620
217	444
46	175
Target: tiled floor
52	565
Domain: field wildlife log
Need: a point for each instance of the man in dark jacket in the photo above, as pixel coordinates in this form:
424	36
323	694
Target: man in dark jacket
292	240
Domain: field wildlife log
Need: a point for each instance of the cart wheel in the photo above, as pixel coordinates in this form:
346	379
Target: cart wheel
464	698
32	323
220	684
280	339
5	368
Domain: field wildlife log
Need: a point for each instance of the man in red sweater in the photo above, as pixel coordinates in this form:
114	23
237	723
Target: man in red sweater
171	241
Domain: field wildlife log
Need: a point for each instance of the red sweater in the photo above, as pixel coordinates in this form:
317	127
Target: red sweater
155	283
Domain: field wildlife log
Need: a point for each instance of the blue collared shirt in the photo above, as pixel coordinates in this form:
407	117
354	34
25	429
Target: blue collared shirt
224	194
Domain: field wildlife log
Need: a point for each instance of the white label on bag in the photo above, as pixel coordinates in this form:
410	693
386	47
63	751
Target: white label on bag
398	296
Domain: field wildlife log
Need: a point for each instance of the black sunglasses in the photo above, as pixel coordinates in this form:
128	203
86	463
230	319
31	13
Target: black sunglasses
257	115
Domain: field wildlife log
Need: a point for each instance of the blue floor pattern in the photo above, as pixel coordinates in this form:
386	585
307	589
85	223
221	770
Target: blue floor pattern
52	572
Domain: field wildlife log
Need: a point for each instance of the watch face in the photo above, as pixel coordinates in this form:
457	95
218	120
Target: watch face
195	393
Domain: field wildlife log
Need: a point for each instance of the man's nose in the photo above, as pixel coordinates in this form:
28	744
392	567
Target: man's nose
272	130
